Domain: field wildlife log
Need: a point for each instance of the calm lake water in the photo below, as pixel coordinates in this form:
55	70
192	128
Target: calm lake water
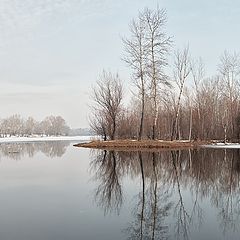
54	191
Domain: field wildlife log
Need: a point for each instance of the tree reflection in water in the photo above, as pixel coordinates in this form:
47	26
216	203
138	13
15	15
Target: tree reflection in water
174	185
17	151
109	192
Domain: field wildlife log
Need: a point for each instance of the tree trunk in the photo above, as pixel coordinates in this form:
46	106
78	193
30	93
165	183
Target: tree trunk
143	194
190	126
142	113
114	129
174	129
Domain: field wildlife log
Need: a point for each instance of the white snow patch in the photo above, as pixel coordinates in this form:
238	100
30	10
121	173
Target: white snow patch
222	145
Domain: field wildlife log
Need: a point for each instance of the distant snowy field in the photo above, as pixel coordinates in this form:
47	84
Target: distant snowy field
44	139
222	145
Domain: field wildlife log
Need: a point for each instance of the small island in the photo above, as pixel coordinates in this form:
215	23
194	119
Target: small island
143	145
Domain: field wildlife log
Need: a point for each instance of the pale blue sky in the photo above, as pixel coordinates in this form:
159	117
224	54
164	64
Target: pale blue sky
51	51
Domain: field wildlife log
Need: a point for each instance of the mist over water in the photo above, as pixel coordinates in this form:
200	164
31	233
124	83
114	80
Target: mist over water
53	190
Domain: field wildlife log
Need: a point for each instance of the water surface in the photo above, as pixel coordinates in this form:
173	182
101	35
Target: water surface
52	190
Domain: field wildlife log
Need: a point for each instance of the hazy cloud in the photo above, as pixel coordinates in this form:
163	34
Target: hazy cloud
27	18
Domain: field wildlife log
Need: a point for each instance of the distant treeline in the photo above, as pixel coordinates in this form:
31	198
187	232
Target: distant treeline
15	125
172	97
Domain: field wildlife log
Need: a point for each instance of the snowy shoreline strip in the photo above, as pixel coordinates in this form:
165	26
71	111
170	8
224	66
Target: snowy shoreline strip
222	145
45	139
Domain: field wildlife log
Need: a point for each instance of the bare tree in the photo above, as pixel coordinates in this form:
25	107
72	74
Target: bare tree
229	70
158	44
29	126
190	107
107	96
99	123
198	73
136	50
14	125
182	70
54	126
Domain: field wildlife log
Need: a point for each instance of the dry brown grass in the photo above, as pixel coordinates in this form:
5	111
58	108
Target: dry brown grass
143	144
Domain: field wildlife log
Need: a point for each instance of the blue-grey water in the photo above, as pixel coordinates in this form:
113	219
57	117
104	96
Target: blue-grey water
54	191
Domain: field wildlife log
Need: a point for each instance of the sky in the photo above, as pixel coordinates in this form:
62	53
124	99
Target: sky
52	51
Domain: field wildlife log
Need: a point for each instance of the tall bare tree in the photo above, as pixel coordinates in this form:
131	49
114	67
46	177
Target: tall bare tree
136	50
198	73
181	72
158	44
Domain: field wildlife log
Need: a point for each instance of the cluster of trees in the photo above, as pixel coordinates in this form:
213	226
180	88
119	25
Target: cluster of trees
15	125
170	101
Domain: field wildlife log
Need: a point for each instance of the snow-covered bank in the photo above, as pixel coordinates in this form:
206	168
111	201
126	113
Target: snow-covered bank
222	145
44	139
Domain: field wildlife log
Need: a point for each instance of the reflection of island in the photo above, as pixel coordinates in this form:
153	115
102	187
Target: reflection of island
17	151
165	177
